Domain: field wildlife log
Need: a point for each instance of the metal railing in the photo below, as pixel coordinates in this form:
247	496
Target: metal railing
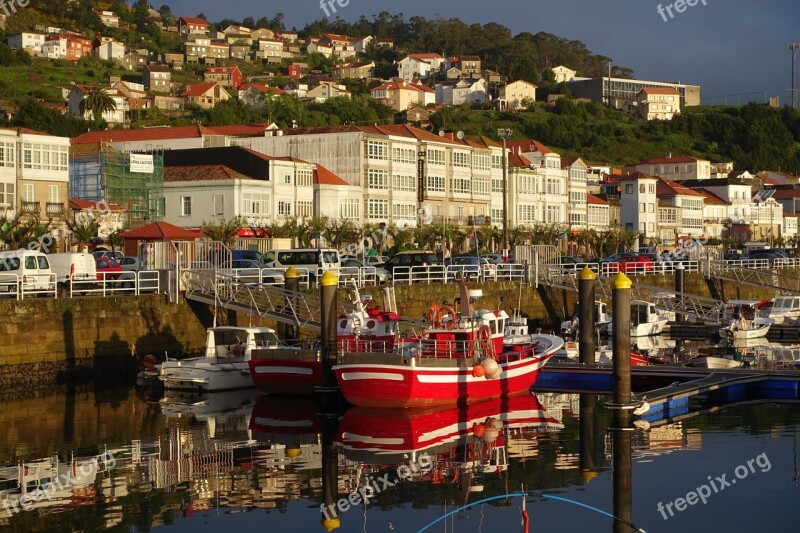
114	284
28	285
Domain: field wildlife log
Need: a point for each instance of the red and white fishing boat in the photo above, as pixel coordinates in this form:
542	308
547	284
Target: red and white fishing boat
297	372
460	360
382	436
367	327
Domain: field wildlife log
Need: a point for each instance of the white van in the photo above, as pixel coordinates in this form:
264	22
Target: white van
73	267
310	259
31	268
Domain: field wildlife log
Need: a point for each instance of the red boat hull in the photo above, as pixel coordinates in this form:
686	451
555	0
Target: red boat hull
286	377
407	385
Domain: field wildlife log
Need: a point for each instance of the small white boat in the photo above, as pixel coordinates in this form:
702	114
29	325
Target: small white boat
225	364
714	362
602	320
743	322
646	320
785	310
516	331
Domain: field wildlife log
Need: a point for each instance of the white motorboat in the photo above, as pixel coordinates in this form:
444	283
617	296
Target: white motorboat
646	320
785	310
602	320
516	331
225	364
743	322
715	362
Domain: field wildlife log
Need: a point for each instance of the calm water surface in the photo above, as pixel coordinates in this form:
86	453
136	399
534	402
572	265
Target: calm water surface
243	462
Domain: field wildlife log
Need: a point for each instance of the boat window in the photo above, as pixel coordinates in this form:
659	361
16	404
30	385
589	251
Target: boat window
266	338
228	337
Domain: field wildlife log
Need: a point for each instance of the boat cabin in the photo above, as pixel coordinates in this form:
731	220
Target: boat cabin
225	343
643	313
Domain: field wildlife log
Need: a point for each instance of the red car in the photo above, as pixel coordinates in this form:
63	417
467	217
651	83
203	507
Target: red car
634	264
107	269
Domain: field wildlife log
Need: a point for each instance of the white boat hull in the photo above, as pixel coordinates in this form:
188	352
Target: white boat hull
199	375
717	363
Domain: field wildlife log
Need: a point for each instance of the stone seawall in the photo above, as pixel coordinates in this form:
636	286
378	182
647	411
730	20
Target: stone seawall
47	343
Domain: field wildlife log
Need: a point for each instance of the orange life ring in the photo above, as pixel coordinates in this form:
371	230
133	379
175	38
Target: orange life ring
433	316
443	311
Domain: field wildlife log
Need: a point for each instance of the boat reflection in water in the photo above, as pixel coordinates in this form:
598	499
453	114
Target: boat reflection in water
455	445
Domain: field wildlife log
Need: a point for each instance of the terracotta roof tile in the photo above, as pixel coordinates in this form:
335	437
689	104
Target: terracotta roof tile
160	231
591	199
528	145
323	176
670	188
711	198
202	173
76	203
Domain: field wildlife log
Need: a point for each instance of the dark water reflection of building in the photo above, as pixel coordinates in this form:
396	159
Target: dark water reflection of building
186	456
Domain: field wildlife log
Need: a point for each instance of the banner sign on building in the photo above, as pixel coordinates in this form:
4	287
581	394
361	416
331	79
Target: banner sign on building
142	163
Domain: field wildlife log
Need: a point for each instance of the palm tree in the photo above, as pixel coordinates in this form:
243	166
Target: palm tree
97	101
83	233
225	231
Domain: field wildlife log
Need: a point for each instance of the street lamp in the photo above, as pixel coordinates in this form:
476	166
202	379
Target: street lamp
504	134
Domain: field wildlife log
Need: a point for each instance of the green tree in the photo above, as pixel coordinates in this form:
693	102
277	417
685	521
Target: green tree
97	101
224	231
82	232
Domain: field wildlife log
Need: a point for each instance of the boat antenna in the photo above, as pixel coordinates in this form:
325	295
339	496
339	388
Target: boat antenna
519	298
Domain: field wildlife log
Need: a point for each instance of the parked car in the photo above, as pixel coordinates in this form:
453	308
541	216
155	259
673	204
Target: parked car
248	271
769	255
375	260
349	264
616	257
471	266
632	264
105	253
107	268
401	263
26	269
495	259
73	269
130	263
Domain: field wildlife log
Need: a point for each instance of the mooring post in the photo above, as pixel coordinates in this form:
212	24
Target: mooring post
291	284
328	390
680	271
586	319
622	441
330	475
586	434
621	302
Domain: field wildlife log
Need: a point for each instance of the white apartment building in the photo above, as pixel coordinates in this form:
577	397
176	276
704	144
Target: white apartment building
552	182
34	175
690	203
194	195
732	190
673	168
389	163
110	51
598	213
638	202
419	66
463	91
30	41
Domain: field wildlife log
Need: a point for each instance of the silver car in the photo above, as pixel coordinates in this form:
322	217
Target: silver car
350	265
249	270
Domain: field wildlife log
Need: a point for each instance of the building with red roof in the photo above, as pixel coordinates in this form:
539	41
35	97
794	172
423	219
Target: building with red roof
188	25
673	168
230	77
205	95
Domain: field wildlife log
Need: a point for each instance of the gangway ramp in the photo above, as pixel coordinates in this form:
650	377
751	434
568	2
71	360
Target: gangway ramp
220	290
767	278
699	308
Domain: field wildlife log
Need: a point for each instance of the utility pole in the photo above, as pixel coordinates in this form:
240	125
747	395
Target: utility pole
504	134
793	47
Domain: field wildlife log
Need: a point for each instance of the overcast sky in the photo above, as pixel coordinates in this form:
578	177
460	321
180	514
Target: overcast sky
728	47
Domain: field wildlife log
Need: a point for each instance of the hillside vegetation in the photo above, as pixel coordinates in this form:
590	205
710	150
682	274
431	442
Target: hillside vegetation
755	137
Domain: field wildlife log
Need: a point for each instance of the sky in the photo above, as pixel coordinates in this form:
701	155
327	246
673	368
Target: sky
728	47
